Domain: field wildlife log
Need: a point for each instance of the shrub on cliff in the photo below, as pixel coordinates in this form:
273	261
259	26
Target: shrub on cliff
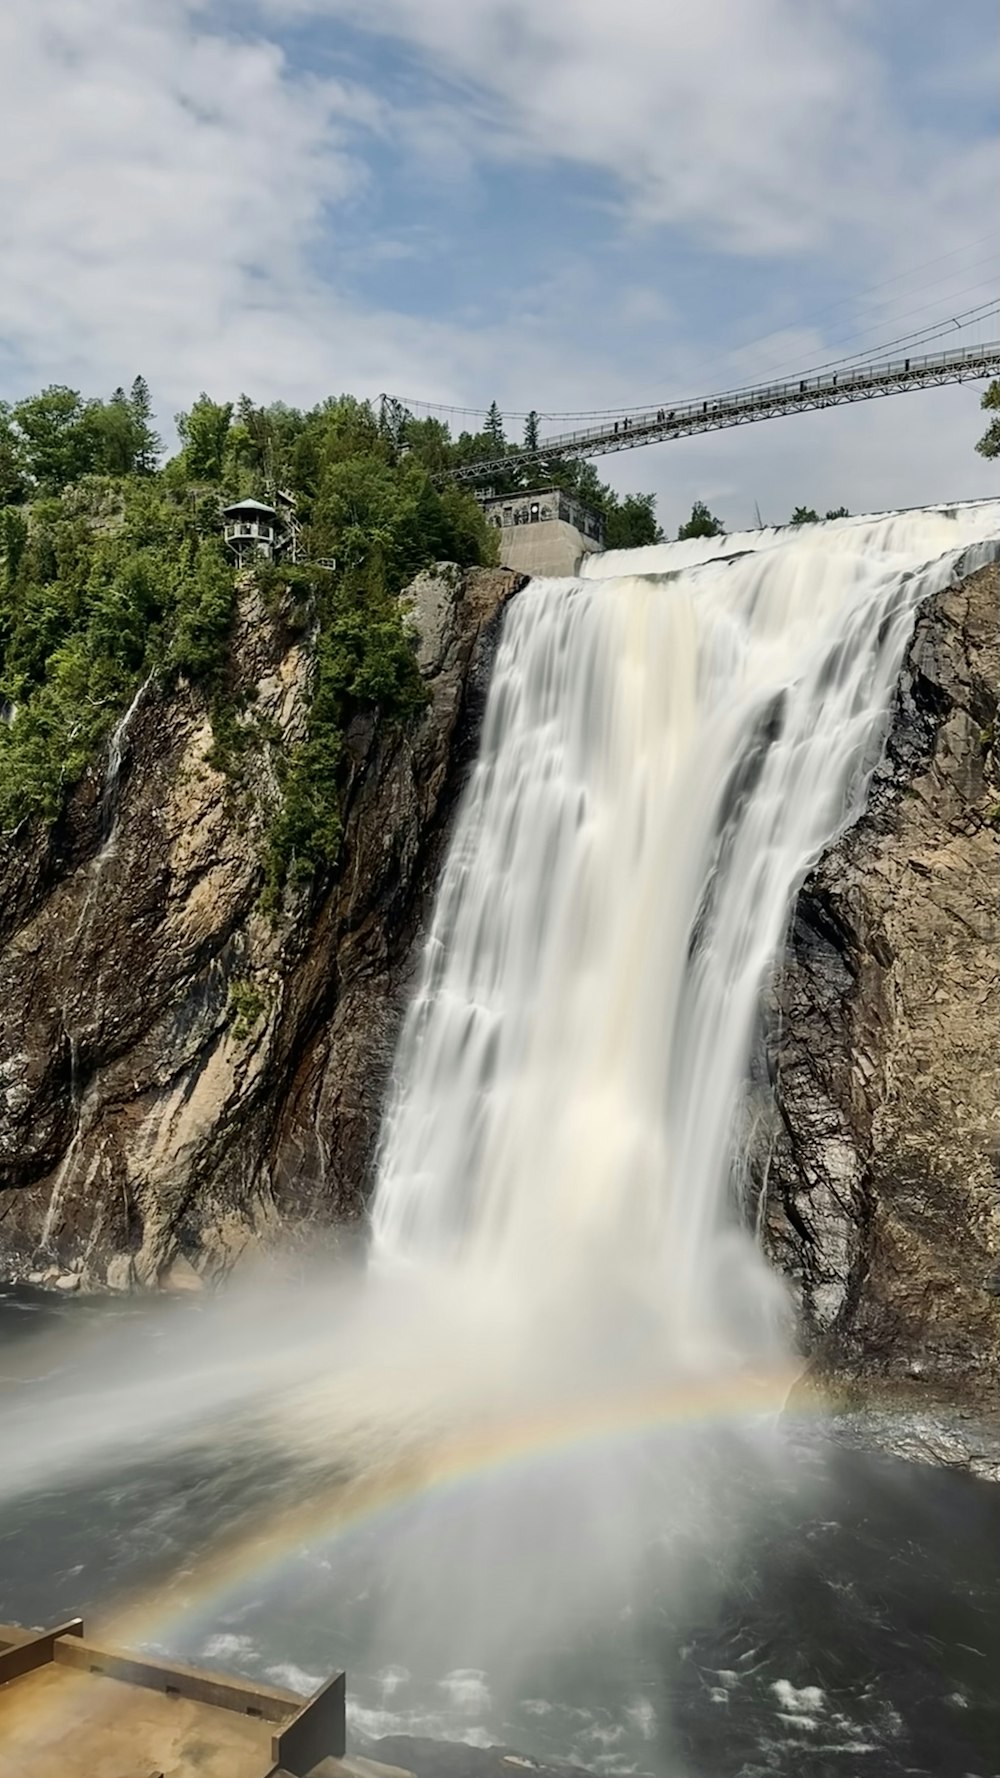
364	660
102	585
111	570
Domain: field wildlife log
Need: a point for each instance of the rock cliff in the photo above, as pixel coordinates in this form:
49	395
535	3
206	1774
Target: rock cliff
180	1074
877	1144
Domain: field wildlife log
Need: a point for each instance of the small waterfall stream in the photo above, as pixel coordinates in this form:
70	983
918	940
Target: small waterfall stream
109	811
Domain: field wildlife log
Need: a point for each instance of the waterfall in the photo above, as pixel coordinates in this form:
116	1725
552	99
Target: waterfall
668	744
566	1353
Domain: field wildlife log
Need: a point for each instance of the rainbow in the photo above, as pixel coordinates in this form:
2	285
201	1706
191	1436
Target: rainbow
451	1464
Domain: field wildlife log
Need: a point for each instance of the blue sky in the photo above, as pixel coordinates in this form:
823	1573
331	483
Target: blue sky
564	205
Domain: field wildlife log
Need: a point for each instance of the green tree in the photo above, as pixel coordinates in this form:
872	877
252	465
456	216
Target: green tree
837	512
13	471
13	540
107	583
804	515
631	523
202	612
989	444
494	428
58	437
204	433
118	571
702	523
147	442
115	437
531	431
430	442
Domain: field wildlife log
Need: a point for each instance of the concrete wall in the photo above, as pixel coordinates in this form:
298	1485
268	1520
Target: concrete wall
549	548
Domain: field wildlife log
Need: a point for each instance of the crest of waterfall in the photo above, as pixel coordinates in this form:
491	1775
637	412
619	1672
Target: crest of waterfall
669	742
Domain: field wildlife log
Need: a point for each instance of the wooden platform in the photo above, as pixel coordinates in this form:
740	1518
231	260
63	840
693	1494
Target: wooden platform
70	1708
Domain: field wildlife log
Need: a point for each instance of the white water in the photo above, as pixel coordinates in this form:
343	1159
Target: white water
668	745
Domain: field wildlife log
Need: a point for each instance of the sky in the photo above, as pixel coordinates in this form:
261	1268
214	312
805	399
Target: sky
571	205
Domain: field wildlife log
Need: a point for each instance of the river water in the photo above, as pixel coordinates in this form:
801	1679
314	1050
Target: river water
531	1474
855	1629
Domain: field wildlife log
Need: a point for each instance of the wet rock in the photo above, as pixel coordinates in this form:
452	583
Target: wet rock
878	1081
142	1117
69	1281
181	1277
119	1275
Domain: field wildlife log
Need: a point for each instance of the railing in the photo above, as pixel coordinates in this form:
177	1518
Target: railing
242	530
744	406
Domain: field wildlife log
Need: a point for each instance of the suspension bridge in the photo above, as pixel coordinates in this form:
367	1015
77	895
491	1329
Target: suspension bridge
743	407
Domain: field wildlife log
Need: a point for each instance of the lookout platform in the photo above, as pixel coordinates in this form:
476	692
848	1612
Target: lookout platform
544	531
71	1708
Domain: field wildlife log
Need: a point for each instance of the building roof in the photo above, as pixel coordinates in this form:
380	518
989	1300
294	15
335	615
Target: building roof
249	506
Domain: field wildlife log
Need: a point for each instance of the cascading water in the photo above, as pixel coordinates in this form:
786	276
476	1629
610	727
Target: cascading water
560	1267
668	743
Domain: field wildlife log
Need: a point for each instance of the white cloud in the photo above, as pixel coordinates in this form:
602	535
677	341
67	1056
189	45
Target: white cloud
768	127
174	198
161	187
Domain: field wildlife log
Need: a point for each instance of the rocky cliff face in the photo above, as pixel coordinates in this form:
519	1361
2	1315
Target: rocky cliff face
181	1075
877	1147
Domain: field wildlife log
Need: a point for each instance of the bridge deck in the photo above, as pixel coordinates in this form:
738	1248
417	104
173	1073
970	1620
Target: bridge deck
744	406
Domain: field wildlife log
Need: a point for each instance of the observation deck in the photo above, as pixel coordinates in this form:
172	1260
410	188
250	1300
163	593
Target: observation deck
71	1708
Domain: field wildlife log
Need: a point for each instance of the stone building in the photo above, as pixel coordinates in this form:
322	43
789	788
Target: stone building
543	530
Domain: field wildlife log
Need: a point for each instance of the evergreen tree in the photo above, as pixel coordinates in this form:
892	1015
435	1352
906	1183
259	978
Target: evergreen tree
494	427
702	523
531	432
148	443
